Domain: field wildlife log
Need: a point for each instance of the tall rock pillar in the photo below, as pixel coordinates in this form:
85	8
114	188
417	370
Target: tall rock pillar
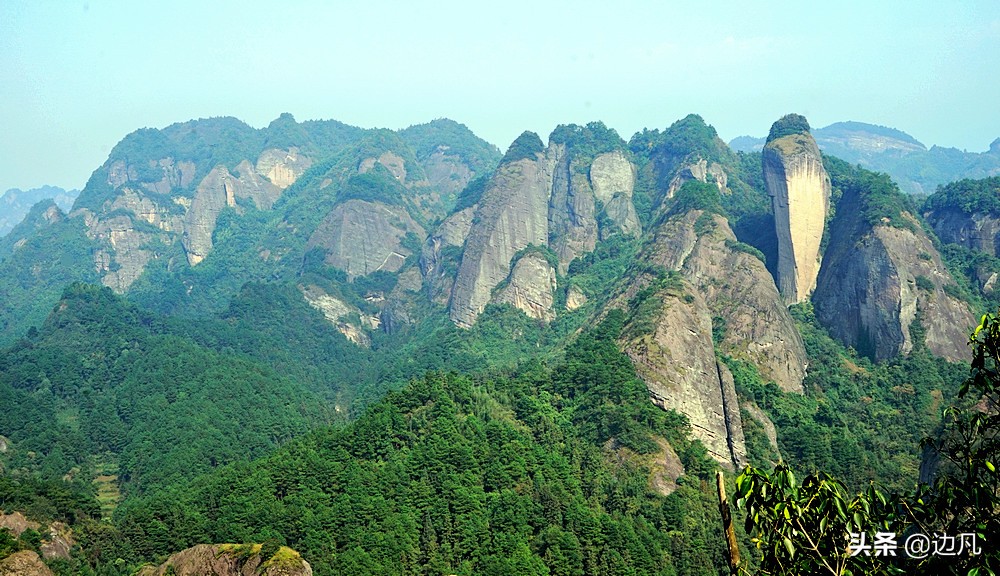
800	195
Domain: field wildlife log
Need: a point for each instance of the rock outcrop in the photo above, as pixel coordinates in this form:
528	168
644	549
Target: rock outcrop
612	177
24	563
877	280
531	287
553	197
572	207
348	319
677	362
701	171
361	237
230	560
977	231
800	194
512	214
711	279
442	253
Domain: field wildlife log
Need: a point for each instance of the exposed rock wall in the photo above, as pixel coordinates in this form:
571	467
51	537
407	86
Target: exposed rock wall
874	281
438	265
550	200
531	287
572	219
719	278
512	214
800	194
976	231
24	563
612	177
677	362
230	560
361	237
215	192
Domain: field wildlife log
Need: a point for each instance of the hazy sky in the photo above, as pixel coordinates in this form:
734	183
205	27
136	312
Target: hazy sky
77	76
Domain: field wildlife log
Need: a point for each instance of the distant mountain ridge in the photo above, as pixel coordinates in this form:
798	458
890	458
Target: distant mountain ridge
15	203
914	167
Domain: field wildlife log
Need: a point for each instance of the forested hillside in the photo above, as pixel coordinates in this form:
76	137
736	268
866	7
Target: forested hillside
401	352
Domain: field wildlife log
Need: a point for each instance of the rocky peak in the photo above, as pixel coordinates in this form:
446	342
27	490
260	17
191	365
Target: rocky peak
546	197
800	194
510	216
878	280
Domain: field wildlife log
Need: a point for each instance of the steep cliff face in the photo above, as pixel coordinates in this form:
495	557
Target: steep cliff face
531	287
572	207
512	214
555	197
702	171
711	277
348	320
677	362
231	560
442	253
612	177
800	193
361	237
976	231
876	280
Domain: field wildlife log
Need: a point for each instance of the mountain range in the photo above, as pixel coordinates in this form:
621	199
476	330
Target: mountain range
405	351
914	167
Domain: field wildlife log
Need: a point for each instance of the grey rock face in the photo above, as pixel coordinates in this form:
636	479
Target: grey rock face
441	255
551	200
800	193
976	231
512	214
677	363
572	220
531	287
361	237
875	280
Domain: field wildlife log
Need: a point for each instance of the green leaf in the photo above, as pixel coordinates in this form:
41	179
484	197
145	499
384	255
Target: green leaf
990	466
789	546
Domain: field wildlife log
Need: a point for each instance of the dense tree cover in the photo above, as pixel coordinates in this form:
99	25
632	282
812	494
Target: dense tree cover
879	199
516	473
968	196
858	420
787	125
695	195
33	277
807	528
451	138
525	146
103	377
584	143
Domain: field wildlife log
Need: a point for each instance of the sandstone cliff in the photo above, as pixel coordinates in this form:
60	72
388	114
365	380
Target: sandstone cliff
756	326
555	197
877	280
230	560
711	277
976	231
677	362
511	215
800	193
531	287
441	254
362	237
24	563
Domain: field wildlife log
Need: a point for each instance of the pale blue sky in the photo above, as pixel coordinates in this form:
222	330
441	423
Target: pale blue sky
77	76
